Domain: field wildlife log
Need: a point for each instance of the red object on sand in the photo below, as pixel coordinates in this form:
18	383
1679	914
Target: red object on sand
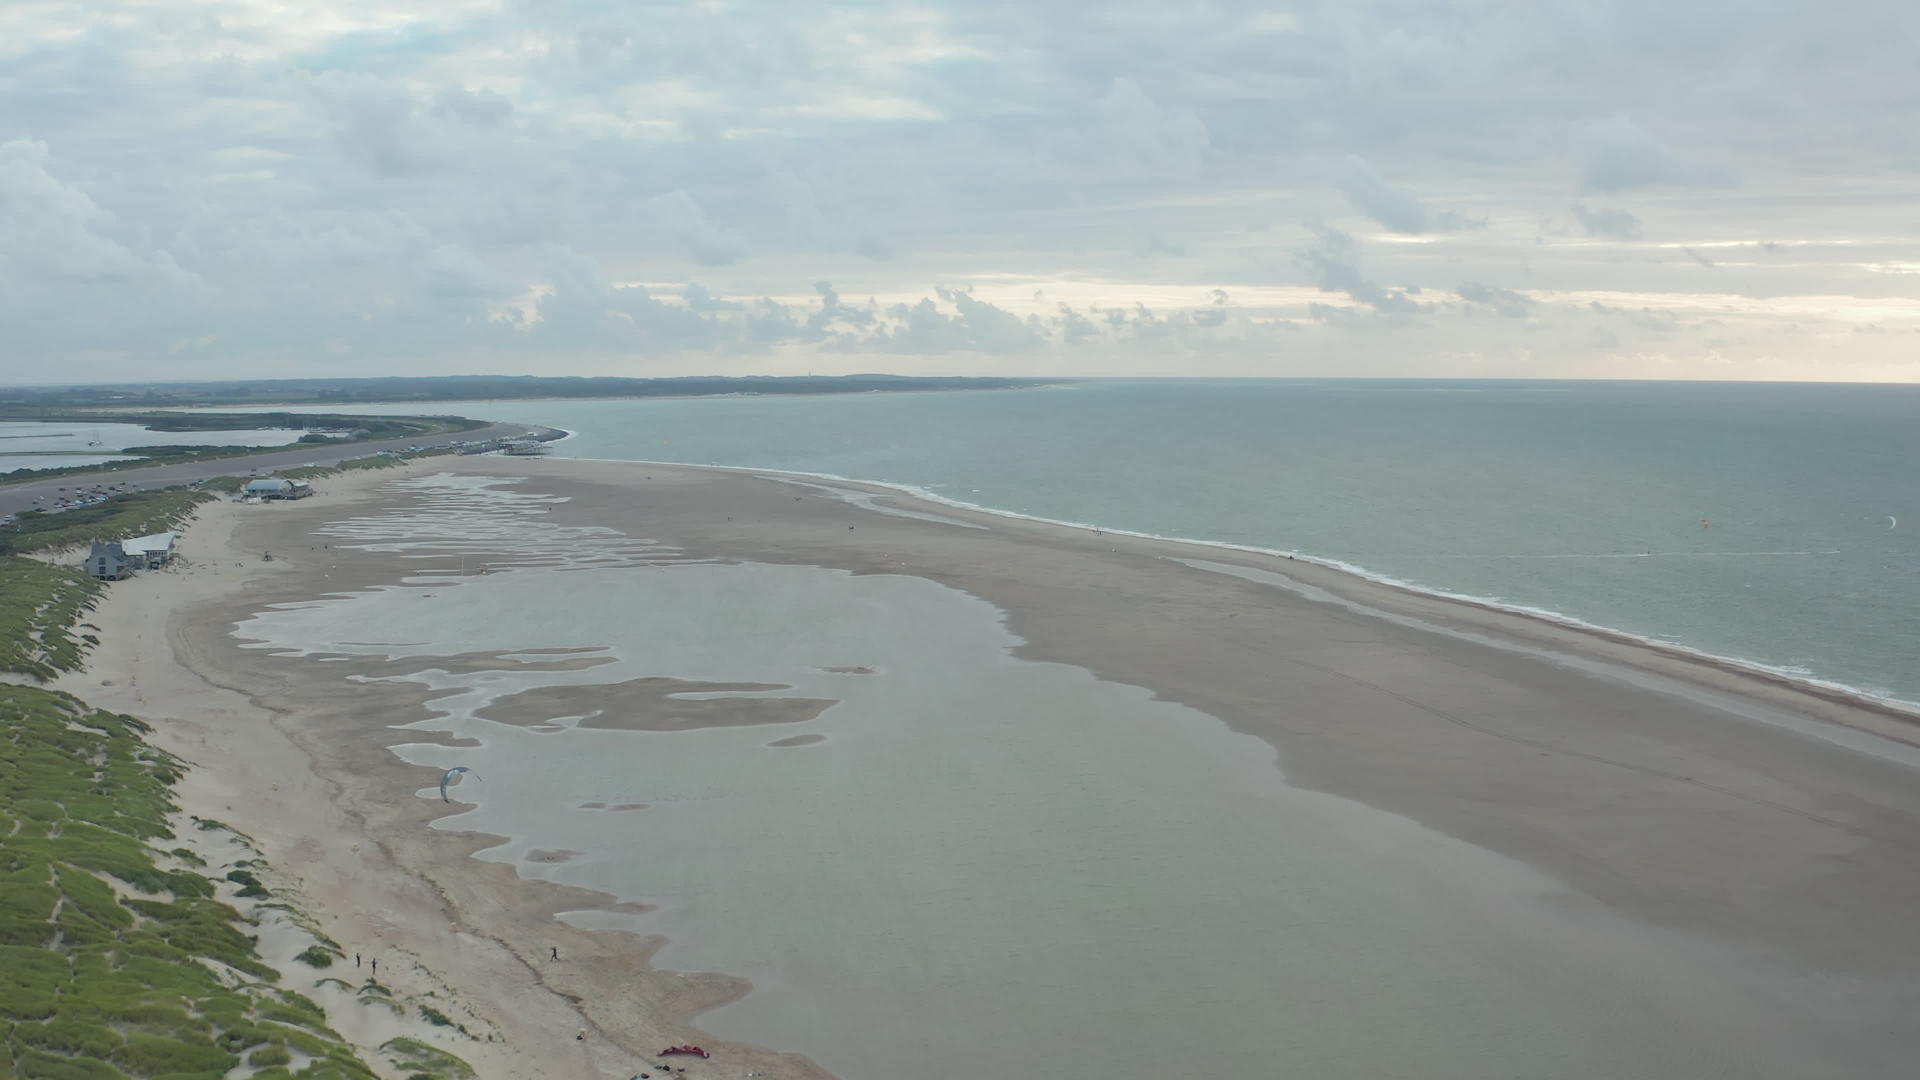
685	1048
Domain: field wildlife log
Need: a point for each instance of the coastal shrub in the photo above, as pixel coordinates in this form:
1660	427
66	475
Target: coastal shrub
39	810
283	1014
304	1041
92	896
435	1016
77	929
38	606
66	1036
154	1016
372	461
26	912
340	1064
30	979
252	886
95	985
275	1054
237	1035
139	513
187	857
315	956
419	1059
300	1003
189	885
155	1055
40	1065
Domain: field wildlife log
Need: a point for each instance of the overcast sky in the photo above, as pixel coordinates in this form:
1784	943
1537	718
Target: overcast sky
1593	188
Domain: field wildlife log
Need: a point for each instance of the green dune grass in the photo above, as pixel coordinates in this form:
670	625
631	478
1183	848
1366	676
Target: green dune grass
138	513
39	606
117	961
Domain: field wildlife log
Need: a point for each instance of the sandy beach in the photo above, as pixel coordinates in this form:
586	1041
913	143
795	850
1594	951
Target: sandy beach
1663	790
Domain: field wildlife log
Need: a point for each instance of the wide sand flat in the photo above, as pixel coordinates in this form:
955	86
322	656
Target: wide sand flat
1669	790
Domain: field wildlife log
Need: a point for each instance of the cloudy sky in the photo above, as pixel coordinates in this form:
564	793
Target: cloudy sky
1553	188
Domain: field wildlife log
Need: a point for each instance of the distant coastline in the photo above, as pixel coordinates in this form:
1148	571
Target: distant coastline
21	402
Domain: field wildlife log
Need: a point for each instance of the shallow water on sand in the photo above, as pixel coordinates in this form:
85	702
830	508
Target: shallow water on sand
995	867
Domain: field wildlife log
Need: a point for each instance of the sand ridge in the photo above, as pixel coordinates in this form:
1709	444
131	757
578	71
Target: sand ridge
653	703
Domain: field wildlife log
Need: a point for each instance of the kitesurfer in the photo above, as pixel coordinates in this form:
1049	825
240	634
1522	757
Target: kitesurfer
447	778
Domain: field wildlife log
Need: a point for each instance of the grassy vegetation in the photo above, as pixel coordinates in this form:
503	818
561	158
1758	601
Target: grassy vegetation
139	513
112	966
375	461
117	961
316	956
232	484
417	1059
39	605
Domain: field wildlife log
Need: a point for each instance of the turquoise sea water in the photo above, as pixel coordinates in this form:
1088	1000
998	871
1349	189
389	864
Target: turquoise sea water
1583	499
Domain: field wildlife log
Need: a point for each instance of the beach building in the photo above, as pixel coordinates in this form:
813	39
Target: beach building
149	552
269	487
107	561
298	489
111	560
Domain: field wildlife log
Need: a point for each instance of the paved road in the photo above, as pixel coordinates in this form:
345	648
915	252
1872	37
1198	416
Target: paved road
17	497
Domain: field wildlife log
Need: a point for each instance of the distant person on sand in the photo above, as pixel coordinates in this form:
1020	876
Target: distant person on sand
376	968
556	952
356	959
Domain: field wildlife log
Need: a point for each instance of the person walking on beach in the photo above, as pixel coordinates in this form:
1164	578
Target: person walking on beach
356	959
376	968
556	952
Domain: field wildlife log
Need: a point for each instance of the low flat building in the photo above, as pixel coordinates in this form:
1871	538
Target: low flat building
149	552
268	487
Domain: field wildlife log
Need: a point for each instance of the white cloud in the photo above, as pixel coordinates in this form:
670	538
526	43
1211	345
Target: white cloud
677	216
1334	260
1607	221
459	184
1617	154
1388	205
